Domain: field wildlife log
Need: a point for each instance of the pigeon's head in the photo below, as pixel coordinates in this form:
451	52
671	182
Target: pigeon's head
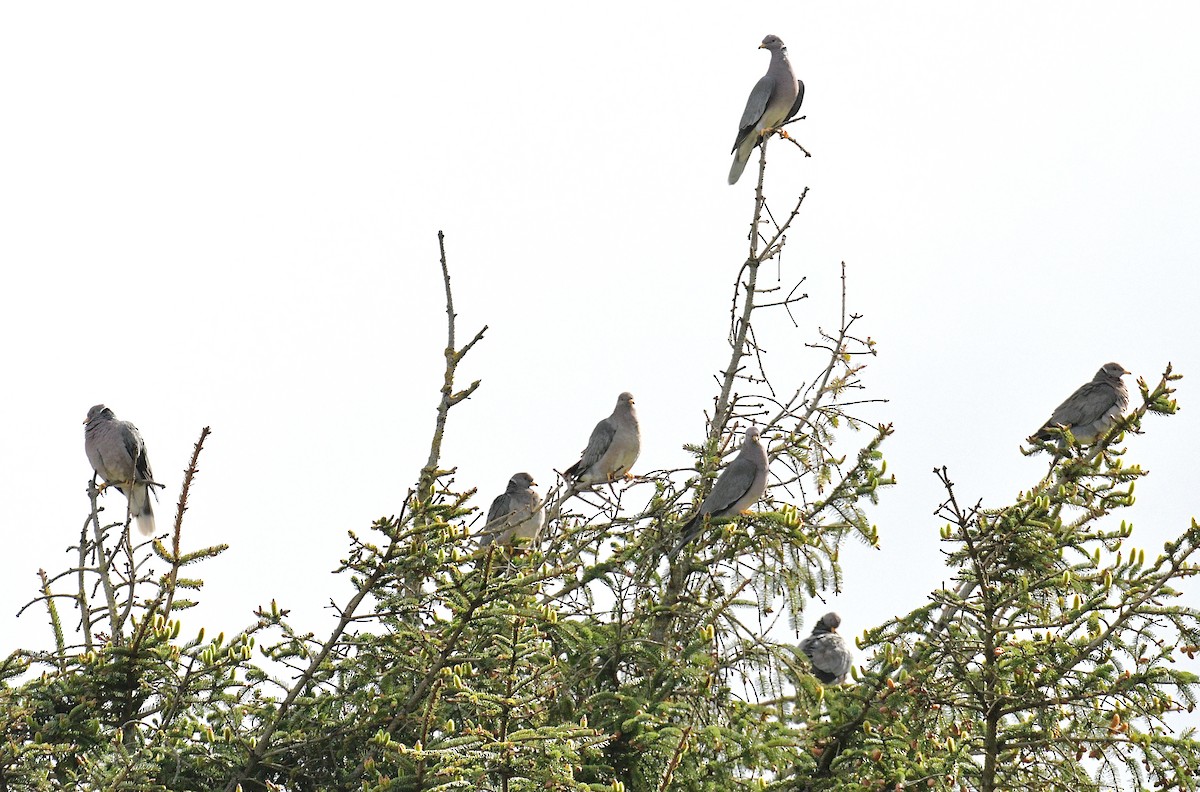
1112	371
626	399
753	433
831	621
773	43
97	412
520	481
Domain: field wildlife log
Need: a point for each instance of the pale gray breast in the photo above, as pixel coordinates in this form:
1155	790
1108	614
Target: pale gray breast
622	451
783	96
106	450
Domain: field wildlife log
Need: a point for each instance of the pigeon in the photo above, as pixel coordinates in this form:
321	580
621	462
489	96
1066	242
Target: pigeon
1092	410
515	514
827	651
776	98
739	487
613	448
118	456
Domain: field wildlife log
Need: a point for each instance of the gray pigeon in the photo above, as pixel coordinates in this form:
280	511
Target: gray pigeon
739	487
515	514
827	651
613	448
776	98
118	456
1092	410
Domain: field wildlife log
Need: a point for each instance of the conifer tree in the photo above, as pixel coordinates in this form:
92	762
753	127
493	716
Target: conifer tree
1054	662
596	659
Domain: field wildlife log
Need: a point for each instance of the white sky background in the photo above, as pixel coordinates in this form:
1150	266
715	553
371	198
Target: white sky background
226	215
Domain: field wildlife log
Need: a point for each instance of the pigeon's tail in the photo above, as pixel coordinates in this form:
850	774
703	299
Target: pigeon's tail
139	507
741	155
687	533
739	165
826	678
1044	434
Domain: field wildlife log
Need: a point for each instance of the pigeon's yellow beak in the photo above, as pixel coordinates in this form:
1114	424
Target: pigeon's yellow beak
762	46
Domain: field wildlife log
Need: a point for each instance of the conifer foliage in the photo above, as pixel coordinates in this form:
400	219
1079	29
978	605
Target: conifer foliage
596	660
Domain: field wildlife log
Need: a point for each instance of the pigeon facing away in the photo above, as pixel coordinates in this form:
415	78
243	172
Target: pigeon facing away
613	448
739	487
776	98
827	651
515	514
118	456
1092	410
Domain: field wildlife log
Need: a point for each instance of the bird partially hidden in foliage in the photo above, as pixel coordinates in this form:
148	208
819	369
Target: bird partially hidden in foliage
739	487
516	514
613	447
776	97
827	651
1091	410
118	455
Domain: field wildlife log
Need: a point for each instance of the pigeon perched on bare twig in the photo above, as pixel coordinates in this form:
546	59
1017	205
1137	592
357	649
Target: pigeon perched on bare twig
828	653
776	97
118	456
739	487
613	448
515	514
1091	410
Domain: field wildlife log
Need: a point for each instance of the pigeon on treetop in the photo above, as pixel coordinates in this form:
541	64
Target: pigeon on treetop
1092	409
118	455
613	447
775	98
827	651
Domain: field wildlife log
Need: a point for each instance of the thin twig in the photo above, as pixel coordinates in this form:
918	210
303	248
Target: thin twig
449	397
180	508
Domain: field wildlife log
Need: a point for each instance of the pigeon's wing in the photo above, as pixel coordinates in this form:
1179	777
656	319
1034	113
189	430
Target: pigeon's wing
1085	405
135	447
734	484
497	518
501	507
756	105
601	439
830	657
796	104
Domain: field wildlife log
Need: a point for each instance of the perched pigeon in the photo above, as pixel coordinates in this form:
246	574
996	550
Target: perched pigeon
776	98
739	487
516	513
827	651
1092	410
613	448
118	456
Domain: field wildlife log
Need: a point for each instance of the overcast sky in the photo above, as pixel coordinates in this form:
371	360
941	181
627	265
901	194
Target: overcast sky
226	215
